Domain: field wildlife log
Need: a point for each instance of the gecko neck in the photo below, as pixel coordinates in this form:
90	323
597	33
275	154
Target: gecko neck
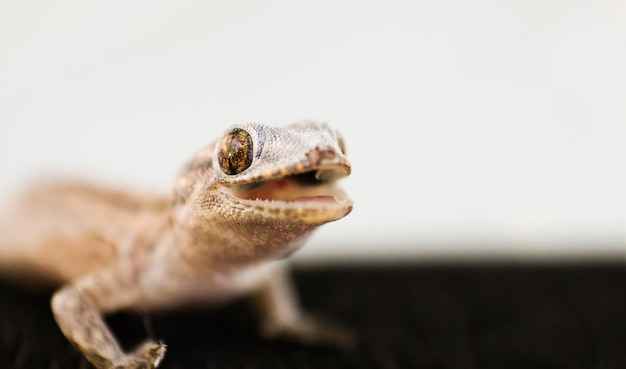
214	234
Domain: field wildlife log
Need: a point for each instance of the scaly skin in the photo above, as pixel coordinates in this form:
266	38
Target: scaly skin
238	207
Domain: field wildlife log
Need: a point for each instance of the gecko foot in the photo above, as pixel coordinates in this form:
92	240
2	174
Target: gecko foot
310	330
147	356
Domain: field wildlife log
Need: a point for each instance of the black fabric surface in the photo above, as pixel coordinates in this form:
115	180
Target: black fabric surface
455	316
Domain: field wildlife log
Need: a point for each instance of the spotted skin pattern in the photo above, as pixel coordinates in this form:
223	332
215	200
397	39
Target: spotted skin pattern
218	236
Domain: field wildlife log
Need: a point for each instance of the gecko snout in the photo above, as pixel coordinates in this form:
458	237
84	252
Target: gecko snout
331	164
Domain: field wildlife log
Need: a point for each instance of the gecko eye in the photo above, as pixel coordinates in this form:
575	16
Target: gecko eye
235	152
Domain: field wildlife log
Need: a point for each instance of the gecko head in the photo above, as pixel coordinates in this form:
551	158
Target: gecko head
283	173
259	191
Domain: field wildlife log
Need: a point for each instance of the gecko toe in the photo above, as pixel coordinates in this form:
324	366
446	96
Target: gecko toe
312	331
147	356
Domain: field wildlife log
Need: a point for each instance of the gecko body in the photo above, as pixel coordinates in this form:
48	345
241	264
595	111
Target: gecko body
239	206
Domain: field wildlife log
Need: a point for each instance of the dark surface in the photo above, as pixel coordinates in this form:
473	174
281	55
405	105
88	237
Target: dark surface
406	317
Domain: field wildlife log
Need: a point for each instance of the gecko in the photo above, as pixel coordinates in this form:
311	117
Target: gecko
239	207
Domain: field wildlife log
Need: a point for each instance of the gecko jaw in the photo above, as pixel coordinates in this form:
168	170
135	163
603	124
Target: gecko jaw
299	195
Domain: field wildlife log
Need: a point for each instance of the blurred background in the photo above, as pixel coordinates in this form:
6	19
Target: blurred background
477	130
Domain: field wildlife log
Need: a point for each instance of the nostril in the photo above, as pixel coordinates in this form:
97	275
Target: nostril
322	153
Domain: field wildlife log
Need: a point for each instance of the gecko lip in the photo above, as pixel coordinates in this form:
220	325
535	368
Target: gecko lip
308	193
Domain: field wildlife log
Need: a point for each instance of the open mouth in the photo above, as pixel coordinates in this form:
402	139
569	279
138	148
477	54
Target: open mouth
309	190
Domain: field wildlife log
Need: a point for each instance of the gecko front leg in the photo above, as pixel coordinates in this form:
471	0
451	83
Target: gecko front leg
78	309
281	315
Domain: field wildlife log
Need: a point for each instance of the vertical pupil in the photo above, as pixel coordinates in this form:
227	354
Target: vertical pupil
235	149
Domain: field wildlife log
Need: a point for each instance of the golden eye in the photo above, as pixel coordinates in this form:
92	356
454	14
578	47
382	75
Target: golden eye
235	153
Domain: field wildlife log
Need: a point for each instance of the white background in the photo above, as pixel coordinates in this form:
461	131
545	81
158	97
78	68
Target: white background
481	129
